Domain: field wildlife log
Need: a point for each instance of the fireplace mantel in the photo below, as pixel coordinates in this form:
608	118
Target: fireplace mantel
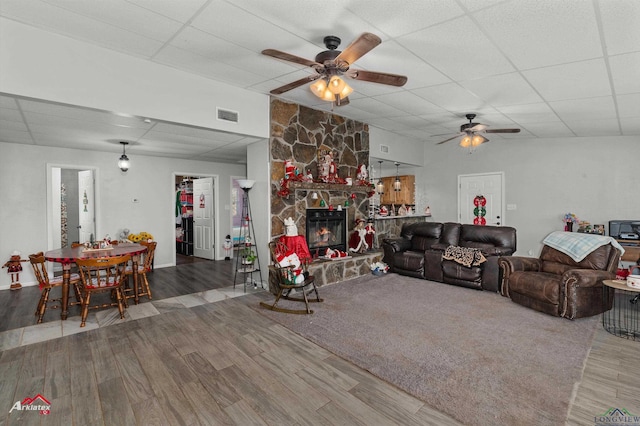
318	186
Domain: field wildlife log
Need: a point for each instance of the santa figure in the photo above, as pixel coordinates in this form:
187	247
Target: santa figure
357	240
370	233
362	175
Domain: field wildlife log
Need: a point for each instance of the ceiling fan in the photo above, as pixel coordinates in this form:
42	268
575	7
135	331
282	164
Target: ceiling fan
471	133
331	64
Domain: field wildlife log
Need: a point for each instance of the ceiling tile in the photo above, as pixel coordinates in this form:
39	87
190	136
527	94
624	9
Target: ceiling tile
181	11
620	25
46	16
310	20
124	15
624	72
451	51
630	126
451	97
571	81
383	59
407	102
501	90
397	19
585	109
530	113
548	129
629	105
542	33
206	67
594	127
222	20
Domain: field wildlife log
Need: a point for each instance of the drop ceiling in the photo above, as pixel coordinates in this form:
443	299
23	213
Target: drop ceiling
552	68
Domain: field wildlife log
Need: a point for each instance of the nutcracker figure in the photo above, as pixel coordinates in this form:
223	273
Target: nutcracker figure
14	267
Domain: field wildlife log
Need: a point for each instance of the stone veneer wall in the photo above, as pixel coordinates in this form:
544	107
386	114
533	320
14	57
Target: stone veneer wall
297	133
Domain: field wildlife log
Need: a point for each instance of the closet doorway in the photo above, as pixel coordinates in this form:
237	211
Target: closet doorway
195	214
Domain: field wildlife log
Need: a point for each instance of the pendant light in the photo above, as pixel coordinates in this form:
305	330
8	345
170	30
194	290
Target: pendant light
380	185
123	162
397	185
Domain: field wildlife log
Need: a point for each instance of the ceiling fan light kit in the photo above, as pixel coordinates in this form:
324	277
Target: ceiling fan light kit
331	64
471	133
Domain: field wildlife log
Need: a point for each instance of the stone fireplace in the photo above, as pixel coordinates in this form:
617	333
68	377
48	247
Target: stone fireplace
300	134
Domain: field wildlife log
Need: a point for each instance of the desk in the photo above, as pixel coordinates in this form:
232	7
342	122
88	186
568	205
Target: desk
623	319
68	255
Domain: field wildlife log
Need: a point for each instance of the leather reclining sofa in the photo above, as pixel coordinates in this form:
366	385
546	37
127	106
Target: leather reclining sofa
418	252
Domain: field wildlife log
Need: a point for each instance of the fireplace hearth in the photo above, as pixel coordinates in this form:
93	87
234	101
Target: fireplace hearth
326	229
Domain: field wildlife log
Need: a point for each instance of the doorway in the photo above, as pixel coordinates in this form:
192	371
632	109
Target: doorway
491	187
195	218
71	204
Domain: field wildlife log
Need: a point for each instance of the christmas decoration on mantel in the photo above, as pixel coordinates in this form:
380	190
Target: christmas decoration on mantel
327	174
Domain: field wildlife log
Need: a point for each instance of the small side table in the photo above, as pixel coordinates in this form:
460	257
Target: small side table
623	319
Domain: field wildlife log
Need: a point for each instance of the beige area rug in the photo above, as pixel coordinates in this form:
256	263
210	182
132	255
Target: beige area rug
474	355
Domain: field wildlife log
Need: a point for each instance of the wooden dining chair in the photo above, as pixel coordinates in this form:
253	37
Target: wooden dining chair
47	283
286	285
144	267
100	275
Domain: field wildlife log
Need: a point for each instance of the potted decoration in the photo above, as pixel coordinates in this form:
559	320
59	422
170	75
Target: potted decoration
248	255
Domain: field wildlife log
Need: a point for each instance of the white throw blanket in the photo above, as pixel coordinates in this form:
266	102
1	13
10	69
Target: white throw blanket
578	245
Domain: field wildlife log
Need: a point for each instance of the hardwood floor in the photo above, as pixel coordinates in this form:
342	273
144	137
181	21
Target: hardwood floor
224	363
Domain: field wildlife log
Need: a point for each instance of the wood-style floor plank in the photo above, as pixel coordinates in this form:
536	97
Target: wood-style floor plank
116	409
224	363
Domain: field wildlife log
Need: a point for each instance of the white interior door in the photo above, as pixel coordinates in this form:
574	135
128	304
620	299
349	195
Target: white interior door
86	206
203	215
489	185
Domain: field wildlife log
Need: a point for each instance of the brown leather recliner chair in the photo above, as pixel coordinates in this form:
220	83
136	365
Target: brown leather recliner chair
557	285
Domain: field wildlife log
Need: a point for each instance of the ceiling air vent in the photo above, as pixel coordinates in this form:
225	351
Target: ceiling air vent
384	148
227	115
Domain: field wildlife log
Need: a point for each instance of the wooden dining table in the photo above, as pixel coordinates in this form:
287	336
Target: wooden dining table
67	257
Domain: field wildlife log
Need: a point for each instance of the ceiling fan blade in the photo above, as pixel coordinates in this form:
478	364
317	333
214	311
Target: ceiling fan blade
290	58
363	44
447	140
502	131
379	77
294	84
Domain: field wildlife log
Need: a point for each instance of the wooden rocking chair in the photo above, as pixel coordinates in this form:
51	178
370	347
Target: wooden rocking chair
286	284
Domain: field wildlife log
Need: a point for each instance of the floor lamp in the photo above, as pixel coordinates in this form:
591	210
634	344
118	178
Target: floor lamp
247	261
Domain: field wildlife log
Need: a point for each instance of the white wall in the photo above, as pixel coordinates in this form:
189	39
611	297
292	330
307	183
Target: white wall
594	177
23	212
401	149
48	66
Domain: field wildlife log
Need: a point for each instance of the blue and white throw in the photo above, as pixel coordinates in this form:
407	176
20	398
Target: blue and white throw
578	245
